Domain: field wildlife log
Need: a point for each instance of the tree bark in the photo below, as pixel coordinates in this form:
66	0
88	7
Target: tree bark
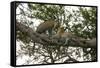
46	40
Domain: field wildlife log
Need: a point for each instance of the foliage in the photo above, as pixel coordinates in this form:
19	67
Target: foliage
80	21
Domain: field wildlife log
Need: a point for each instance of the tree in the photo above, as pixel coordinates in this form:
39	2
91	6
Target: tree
42	49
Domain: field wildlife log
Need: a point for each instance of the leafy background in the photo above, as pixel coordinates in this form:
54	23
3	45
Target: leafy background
77	19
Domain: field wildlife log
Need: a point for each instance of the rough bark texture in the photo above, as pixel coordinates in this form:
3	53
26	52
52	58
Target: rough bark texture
46	40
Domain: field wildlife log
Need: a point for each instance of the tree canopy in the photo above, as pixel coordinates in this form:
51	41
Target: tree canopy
39	49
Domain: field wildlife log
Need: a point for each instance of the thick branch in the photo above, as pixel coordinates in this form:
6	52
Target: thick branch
46	40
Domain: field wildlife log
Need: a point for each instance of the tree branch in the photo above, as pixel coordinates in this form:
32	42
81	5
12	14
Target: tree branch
46	40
